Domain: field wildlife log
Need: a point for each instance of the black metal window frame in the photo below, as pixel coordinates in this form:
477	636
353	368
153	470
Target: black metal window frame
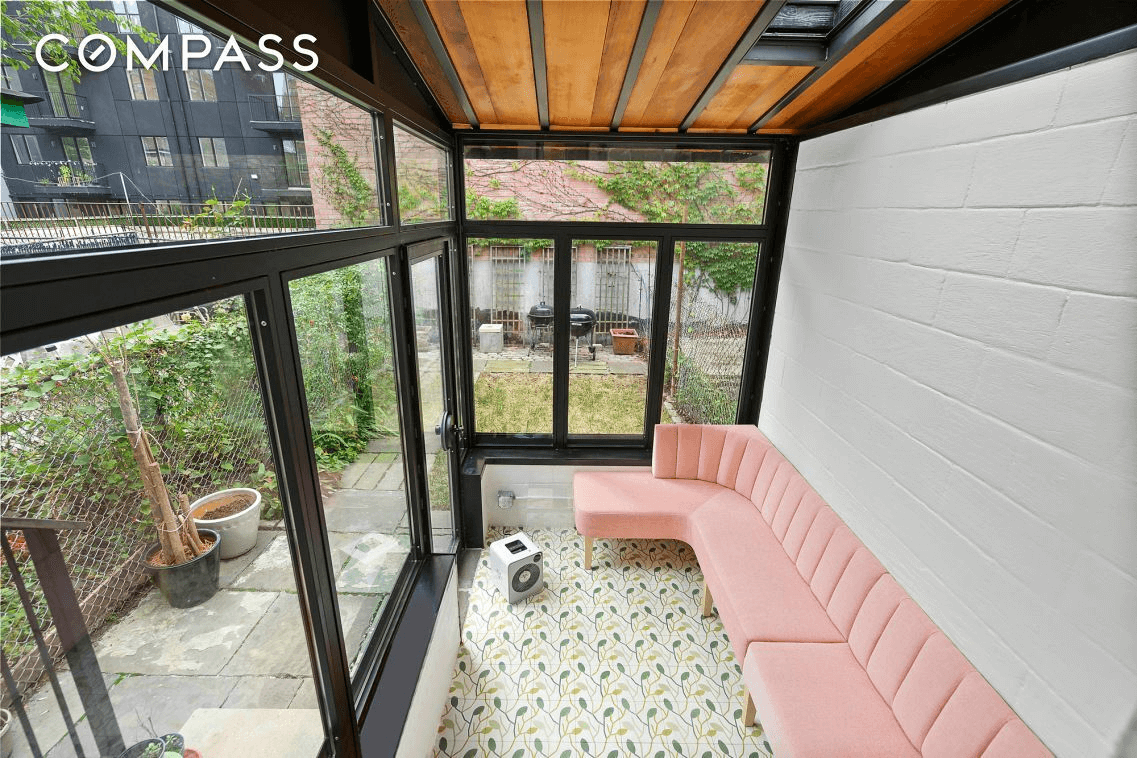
770	235
49	299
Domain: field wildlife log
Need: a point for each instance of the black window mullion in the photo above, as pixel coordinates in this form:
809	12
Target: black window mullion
410	403
278	364
562	277
783	164
661	311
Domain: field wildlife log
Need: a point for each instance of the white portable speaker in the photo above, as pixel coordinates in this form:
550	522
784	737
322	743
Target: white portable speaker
516	567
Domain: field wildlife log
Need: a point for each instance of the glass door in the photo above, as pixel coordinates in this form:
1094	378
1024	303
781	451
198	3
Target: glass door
437	400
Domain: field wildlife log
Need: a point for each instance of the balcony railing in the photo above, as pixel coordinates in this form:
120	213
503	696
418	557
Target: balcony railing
49	174
282	177
60	105
274	108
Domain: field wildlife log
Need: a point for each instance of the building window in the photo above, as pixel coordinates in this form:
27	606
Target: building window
185	27
213	153
157	151
61	94
26	147
10	78
143	85
127	11
199	81
295	162
78	150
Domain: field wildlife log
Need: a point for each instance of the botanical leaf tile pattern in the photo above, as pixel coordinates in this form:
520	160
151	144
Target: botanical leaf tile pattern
608	663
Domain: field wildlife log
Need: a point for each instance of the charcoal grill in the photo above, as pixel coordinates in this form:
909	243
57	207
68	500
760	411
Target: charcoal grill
540	324
581	323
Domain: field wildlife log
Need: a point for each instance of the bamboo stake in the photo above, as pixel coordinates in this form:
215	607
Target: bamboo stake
192	536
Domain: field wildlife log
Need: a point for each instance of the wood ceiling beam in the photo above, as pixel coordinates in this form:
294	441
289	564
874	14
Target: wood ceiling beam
762	20
443	58
631	74
540	69
875	15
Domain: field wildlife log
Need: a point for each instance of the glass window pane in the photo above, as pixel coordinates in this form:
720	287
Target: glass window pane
511	304
343	327
610	334
423	177
712	286
20	148
187	385
252	186
551	182
432	398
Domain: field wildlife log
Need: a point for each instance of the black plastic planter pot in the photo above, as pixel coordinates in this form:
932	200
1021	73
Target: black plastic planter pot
150	747
190	583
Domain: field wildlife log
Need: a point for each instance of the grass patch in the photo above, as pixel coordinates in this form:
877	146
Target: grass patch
439	483
514	403
523	404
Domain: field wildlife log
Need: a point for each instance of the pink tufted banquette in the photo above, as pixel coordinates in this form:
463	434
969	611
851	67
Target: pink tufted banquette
837	660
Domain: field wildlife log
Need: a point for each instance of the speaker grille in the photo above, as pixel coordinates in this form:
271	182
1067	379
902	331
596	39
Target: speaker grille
525	578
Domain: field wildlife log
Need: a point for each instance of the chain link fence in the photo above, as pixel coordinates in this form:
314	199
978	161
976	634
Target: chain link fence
704	375
64	453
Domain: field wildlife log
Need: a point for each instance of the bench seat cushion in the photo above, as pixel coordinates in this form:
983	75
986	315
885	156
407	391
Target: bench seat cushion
629	504
759	593
816	701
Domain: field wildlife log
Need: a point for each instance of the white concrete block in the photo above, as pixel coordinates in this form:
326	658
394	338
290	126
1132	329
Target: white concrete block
1091	249
1064	167
1057	722
1018	108
1009	314
1093	420
928	179
911	292
978	241
1099	89
1102	602
1040	556
1121	188
1098	335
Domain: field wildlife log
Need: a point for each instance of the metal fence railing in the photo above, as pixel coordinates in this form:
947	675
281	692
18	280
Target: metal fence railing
705	374
59	105
274	108
28	228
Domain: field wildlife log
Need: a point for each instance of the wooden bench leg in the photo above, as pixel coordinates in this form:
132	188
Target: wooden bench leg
748	712
707	600
588	553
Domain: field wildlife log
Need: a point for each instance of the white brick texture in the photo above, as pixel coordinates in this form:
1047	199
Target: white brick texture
954	368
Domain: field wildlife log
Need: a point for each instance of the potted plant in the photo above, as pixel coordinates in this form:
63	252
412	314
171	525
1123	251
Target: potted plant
151	747
235	514
185	564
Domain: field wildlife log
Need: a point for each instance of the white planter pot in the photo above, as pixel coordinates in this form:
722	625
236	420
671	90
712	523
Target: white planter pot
239	531
5	733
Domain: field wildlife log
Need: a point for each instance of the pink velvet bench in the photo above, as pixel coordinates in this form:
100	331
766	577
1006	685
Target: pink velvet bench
837	660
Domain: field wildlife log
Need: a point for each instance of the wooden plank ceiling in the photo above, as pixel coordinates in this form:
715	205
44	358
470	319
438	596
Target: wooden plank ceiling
725	66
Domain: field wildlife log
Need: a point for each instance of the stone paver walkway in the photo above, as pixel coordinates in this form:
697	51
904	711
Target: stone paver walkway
195	669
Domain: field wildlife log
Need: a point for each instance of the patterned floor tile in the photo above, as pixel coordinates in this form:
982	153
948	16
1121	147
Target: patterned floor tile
612	662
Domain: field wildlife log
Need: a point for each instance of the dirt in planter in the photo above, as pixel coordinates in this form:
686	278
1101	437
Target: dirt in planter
226	505
155	558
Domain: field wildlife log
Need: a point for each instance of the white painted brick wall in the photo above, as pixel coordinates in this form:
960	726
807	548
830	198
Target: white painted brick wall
954	367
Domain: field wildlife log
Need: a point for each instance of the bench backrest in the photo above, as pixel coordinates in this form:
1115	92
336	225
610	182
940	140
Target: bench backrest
943	704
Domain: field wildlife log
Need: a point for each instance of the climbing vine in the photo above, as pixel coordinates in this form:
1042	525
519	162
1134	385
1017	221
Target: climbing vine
346	188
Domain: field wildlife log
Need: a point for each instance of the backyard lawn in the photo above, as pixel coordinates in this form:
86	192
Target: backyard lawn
523	404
